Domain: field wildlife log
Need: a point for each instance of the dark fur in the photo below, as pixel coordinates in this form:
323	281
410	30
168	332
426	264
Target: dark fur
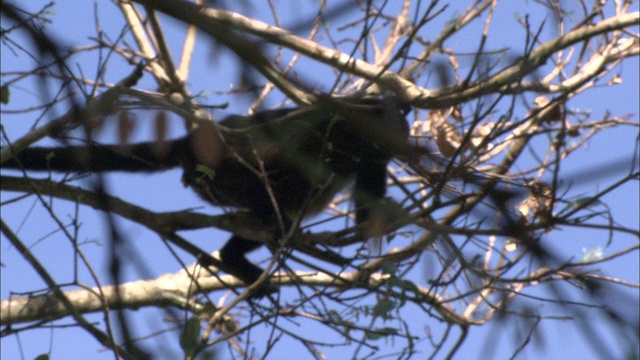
299	157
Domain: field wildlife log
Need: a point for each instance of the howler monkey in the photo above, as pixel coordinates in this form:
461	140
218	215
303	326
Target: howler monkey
281	165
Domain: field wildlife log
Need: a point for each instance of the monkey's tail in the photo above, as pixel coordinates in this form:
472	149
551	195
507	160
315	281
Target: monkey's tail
143	157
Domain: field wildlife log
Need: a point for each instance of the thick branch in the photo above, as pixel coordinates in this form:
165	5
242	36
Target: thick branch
177	290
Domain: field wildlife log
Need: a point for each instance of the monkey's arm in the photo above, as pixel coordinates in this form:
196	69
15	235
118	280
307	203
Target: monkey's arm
143	157
370	188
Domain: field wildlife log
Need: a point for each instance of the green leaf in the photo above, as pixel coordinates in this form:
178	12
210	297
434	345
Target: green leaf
390	237
334	316
584	201
4	94
206	172
395	281
381	332
389	268
408	285
42	357
383	307
190	336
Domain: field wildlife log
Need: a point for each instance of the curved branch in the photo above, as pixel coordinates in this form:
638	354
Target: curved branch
161	223
177	290
205	18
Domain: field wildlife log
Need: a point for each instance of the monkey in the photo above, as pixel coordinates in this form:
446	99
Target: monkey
281	165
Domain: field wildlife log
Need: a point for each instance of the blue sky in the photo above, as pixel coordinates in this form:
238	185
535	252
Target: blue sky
214	70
